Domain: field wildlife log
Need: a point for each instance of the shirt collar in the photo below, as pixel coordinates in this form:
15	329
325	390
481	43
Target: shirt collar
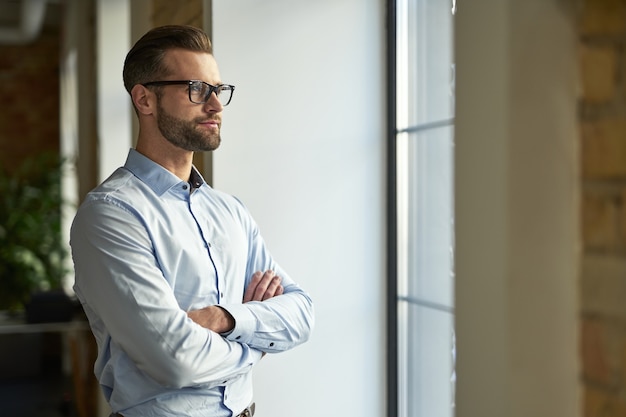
155	176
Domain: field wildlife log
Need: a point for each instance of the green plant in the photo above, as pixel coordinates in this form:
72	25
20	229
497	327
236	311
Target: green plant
32	252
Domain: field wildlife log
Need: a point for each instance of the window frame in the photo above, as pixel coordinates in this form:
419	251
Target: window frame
392	219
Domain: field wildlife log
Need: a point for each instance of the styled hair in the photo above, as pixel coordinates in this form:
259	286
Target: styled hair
144	62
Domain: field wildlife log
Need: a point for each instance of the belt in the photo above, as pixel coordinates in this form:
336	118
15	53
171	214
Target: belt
248	412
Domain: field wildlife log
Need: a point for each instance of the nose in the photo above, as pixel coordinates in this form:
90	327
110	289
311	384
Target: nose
213	104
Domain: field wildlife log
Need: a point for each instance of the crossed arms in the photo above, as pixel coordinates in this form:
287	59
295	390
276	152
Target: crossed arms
263	286
134	312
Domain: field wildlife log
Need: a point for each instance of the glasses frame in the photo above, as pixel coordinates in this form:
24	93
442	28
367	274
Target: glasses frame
217	89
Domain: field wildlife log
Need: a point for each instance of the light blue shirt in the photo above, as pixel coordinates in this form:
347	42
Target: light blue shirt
146	250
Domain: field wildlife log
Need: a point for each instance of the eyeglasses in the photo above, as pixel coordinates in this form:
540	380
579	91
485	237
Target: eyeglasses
200	92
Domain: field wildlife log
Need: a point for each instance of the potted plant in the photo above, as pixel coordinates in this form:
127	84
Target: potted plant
32	252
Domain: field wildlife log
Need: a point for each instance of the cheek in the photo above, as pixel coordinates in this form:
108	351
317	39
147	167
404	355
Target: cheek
175	108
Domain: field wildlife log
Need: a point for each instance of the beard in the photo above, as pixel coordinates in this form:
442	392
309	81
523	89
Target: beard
185	134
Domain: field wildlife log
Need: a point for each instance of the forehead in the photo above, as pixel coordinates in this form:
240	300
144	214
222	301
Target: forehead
190	65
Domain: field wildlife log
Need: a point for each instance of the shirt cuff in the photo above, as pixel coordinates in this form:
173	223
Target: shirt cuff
245	323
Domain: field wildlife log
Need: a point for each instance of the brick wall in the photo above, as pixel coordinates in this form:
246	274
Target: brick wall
602	35
29	93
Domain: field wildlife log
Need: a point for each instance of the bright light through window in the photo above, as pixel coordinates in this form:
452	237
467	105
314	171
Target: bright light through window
425	219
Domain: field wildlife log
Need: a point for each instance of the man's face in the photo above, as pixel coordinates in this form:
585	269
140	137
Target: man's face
191	135
190	126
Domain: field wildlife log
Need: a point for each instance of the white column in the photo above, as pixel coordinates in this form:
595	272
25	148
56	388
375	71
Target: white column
113	102
114	107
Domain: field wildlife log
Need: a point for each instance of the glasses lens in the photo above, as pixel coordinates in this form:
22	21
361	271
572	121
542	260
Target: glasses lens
225	94
198	92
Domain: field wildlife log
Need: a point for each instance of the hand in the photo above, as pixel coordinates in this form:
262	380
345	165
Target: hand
264	285
213	318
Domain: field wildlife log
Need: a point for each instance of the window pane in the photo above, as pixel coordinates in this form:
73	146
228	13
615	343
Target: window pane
425	216
426	382
425	207
425	70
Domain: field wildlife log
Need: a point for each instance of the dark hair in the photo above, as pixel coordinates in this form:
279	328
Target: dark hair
143	62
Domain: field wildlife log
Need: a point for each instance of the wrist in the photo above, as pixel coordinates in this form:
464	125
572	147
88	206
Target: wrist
227	322
214	318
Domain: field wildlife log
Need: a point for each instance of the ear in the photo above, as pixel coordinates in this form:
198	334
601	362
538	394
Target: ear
143	99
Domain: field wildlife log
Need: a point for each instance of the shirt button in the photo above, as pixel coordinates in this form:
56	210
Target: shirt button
222	295
238	337
184	187
271	344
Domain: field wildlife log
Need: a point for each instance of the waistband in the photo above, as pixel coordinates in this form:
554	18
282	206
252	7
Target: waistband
248	412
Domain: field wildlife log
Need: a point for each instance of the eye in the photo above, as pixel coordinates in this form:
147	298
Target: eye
197	87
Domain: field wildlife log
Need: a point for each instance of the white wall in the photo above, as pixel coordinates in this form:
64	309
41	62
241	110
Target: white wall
516	209
303	147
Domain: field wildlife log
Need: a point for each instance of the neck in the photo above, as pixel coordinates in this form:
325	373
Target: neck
176	160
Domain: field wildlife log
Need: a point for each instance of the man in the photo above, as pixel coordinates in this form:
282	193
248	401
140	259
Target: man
180	290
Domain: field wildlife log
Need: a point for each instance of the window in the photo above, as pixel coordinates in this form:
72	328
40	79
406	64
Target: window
420	210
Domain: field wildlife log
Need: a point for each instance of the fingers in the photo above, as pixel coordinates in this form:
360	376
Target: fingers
272	289
263	285
254	282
